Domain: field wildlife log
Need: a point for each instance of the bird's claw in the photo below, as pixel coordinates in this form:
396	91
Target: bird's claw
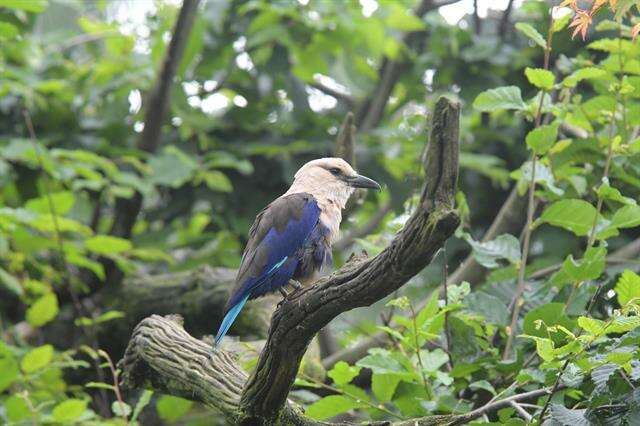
283	292
295	284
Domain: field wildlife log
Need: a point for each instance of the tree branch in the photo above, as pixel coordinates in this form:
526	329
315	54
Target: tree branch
173	363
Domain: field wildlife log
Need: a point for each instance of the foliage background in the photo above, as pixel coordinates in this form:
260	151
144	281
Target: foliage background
263	87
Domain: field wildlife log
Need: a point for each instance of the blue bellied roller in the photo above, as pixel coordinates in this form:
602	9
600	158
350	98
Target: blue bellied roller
290	240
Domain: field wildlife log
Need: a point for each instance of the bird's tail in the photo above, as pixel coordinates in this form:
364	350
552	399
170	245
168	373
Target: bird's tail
229	318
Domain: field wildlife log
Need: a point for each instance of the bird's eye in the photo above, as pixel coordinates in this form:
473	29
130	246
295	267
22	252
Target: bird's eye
335	170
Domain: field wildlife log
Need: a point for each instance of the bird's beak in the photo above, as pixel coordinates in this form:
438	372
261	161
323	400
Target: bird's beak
359	181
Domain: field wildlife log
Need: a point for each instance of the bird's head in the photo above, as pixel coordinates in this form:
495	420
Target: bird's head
330	178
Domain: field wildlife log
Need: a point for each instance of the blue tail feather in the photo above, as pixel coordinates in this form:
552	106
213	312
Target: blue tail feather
229	319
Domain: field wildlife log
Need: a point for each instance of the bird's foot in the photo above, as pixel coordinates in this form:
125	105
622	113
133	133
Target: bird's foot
295	284
283	292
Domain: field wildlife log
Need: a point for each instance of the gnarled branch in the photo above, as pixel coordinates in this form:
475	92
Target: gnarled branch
361	282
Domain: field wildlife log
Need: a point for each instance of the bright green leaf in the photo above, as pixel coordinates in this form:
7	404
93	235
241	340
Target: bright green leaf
69	410
171	408
590	267
37	359
107	244
330	406
508	97
541	78
573	215
532	33
627	287
626	217
43	310
542	138
342	373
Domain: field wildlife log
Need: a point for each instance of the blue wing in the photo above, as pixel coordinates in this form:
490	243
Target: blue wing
270	259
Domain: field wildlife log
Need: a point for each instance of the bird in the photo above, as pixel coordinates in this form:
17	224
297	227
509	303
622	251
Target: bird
290	240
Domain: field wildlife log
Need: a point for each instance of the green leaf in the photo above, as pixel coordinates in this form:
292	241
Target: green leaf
542	138
172	168
62	203
69	410
487	253
342	373
623	324
532	33
627	287
330	406
384	386
16	409
9	371
490	307
550	314
144	400
539	77
171	408
626	217
573	215
35	6
119	409
106	244
43	310
592	325
402	18
37	359
508	97
590	267
429	310
10	283
8	31
217	181
583	74
565	416
607	192
433	360
483	384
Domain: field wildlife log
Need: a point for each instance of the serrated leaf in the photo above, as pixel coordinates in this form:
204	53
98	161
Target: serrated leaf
539	77
542	138
508	97
627	287
531	33
573	215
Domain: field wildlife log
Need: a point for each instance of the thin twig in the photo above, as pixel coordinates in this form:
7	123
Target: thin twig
116	385
445	277
530	211
521	411
425	384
